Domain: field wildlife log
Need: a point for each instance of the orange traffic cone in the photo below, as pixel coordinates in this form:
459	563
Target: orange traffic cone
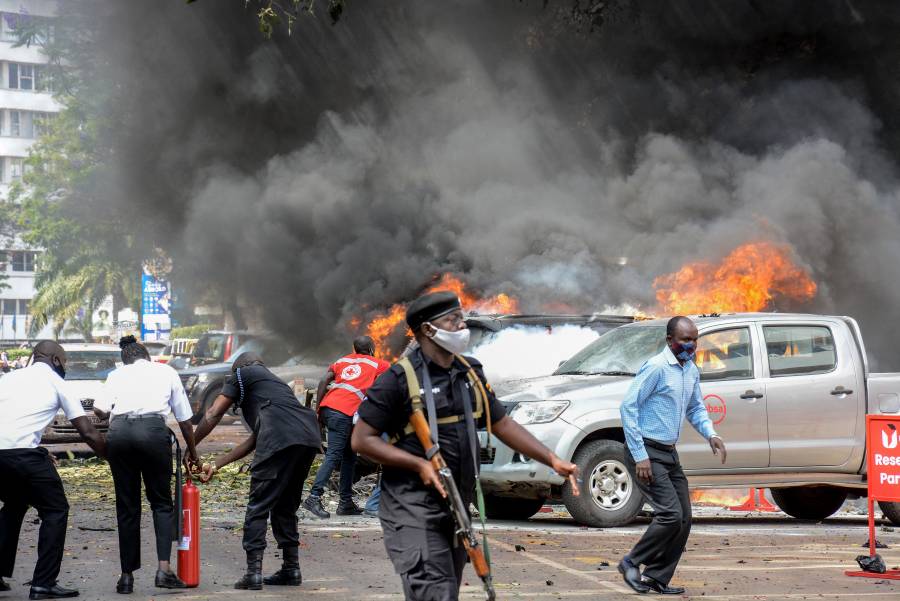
751	503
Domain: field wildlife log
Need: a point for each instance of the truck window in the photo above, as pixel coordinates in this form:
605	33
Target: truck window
725	355
799	350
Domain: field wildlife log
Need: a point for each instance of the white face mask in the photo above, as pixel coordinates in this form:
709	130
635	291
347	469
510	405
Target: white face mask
453	342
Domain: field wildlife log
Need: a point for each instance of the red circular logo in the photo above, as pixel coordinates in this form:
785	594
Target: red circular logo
715	406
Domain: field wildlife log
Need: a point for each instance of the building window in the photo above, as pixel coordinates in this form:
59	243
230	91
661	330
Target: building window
23	76
9	27
15	167
15	122
8	306
23	306
22	260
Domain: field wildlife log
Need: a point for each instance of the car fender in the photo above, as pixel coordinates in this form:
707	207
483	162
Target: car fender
589	423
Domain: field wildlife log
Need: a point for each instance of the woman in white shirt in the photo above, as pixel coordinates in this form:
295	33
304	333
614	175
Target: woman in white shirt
139	396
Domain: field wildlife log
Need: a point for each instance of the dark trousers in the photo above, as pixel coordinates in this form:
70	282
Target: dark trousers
340	426
663	543
276	487
29	479
430	561
140	448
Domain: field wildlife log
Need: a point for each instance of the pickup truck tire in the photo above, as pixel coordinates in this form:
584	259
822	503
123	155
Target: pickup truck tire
809	502
891	511
609	496
208	400
509	508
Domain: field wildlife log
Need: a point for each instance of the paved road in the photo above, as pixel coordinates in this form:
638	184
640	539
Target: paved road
729	557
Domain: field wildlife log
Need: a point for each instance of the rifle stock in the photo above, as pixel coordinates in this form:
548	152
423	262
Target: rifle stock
458	509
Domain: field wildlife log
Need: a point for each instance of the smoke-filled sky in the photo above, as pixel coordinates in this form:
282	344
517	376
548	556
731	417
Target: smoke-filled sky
344	166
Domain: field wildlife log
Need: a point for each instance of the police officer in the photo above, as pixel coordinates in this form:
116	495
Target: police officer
29	400
346	382
286	438
139	396
418	529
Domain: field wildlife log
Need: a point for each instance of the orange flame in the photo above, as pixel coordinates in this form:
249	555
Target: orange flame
749	279
384	325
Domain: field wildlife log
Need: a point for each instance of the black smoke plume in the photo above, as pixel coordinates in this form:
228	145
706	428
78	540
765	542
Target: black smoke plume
526	146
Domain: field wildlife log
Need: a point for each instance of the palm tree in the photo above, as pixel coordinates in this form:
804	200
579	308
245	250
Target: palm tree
69	291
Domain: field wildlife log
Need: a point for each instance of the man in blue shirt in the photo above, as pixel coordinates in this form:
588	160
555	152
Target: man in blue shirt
665	391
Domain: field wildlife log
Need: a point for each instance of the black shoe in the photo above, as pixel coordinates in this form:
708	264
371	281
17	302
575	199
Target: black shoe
3	586
52	592
289	574
314	506
350	509
168	580
125	585
252	580
662	589
632	576
285	577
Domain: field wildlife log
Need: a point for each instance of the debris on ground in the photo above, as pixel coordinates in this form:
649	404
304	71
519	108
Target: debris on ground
872	563
878	545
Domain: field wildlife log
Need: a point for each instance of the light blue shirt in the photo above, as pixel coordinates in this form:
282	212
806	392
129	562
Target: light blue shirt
663	394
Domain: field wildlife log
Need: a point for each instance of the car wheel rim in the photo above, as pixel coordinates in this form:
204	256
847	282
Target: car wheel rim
610	485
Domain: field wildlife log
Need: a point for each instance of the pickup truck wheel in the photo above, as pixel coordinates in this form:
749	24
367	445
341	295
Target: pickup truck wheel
891	511
609	496
809	502
510	508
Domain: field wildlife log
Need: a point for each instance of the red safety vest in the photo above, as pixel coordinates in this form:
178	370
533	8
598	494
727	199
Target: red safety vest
353	375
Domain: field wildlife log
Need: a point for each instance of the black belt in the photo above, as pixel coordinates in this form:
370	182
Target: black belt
143	416
659	446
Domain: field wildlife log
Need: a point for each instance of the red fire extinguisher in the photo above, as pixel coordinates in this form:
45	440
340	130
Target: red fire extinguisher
189	545
187	506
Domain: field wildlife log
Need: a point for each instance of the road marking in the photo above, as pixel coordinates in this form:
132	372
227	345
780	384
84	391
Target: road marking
590	576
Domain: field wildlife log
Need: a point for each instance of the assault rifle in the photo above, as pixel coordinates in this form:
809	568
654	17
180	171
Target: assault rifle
464	529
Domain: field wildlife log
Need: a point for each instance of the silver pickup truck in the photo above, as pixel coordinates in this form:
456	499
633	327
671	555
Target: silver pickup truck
788	394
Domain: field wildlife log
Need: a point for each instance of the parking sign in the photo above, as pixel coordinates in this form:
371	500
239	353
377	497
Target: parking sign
883	456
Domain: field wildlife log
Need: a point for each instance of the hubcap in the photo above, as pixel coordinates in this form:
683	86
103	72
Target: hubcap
610	485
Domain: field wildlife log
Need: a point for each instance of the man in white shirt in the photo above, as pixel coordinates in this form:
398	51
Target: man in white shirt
140	395
29	400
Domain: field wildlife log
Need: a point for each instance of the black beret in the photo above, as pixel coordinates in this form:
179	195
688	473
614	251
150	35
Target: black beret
430	306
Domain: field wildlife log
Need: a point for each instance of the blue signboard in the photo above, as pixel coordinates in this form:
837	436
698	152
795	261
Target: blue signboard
156	305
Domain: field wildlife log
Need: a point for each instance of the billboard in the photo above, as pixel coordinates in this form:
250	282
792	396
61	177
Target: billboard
156	306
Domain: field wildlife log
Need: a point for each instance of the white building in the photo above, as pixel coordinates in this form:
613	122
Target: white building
25	102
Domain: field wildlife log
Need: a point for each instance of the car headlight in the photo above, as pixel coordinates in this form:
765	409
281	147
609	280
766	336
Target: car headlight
538	412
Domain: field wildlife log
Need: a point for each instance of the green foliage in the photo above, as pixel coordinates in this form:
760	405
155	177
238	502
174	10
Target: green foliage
15	353
194	331
273	13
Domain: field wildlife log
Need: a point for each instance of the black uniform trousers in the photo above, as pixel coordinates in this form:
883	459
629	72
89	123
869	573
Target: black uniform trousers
276	487
430	561
661	546
140	447
30	479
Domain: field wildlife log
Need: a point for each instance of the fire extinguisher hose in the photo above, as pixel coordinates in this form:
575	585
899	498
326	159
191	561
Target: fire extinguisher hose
178	484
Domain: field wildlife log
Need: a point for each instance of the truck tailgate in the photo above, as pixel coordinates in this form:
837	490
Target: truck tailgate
883	392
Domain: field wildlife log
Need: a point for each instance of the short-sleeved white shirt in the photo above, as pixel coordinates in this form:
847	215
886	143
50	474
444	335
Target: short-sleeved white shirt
142	388
29	400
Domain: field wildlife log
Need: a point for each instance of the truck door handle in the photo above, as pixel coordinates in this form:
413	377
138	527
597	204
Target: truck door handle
751	395
841	390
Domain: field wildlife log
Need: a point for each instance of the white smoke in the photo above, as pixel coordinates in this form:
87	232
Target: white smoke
528	351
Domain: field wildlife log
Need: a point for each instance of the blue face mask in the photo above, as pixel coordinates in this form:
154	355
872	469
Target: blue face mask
684	352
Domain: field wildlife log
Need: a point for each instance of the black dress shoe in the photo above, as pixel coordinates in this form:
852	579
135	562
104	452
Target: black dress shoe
3	585
314	506
662	589
632	577
350	509
125	585
168	580
52	592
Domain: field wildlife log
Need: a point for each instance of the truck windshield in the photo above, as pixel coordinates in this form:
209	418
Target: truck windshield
617	353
